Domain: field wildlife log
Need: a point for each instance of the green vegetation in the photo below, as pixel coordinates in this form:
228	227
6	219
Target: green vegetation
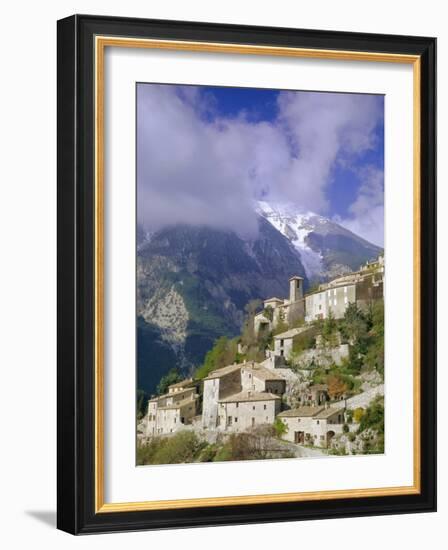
373	416
280	427
338	452
181	447
305	340
339	378
329	330
225	350
364	330
373	420
185	446
253	445
172	377
223	353
358	414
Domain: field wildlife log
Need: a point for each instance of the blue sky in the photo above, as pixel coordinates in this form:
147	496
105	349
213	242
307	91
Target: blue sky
213	150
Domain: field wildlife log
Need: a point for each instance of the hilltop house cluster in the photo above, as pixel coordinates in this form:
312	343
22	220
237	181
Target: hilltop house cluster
240	397
359	287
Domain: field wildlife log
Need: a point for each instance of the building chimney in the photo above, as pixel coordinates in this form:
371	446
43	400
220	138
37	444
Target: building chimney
295	289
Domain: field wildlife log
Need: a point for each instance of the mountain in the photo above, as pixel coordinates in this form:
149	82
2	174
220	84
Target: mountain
326	248
193	284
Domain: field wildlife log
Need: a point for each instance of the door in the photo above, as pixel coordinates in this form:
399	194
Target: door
299	437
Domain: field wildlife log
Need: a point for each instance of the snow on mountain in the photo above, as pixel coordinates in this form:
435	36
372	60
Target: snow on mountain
296	227
326	248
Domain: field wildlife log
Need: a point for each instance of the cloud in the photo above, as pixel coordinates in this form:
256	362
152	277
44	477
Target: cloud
324	128
197	167
366	213
192	170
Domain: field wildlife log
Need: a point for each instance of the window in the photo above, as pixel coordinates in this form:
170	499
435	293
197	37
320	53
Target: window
345	290
253	407
253	421
322	437
334	292
345	300
317	422
229	420
329	293
236	419
335	302
236	405
264	407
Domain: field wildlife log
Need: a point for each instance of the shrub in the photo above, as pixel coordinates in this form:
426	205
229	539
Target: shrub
373	417
358	414
208	454
146	452
280	427
223	353
181	447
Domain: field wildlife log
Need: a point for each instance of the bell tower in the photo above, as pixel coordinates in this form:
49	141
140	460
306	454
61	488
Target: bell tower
295	288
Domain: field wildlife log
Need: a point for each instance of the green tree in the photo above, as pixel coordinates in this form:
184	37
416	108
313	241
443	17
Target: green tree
354	325
223	353
172	377
182	447
329	329
373	417
280	427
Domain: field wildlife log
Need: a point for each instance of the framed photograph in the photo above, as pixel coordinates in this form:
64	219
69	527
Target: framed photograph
246	274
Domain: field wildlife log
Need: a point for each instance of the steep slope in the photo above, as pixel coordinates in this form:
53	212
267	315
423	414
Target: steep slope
326	248
193	284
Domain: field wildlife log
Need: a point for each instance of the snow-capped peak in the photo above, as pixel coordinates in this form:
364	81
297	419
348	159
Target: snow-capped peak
295	226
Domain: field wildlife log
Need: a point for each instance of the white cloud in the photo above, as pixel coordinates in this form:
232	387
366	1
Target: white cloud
366	217
199	169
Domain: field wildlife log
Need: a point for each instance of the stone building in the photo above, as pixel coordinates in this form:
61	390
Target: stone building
276	310
217	385
314	395
170	412
335	299
283	342
313	425
360	287
255	377
247	409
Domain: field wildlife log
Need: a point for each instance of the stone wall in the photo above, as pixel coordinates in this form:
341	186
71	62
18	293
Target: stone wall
247	414
317	429
215	389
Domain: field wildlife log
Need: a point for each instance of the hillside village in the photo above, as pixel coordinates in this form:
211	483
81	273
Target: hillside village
305	378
